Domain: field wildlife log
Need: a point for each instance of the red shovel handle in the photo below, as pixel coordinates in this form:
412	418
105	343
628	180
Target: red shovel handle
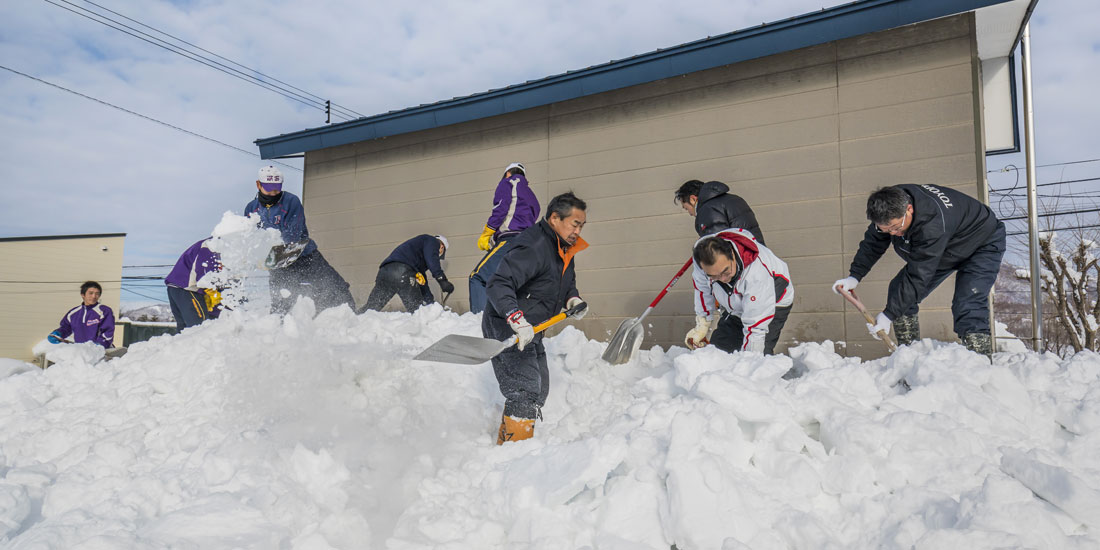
670	283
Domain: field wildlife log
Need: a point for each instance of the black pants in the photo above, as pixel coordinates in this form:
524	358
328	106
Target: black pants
188	308
400	279
974	279
522	375
310	276
729	336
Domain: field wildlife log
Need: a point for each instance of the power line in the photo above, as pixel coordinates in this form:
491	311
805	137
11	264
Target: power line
1005	168
221	57
146	296
1091	226
1051	214
1066	182
114	24
151	119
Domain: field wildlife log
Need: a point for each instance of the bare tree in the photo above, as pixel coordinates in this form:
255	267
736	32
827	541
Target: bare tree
1069	284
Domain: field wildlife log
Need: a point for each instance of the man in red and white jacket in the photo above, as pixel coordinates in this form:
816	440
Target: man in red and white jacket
750	282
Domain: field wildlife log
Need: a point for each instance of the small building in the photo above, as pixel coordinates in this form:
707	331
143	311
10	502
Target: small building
801	117
40	280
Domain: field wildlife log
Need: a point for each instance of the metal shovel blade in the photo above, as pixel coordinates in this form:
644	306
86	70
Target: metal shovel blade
627	340
463	350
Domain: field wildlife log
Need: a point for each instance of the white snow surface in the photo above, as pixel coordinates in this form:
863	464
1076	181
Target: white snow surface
317	431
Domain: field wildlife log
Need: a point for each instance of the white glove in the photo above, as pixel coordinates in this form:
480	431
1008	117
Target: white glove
697	337
574	301
755	344
522	328
845	284
882	322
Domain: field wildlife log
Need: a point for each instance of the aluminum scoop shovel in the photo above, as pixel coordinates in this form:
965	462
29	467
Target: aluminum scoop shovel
628	337
471	350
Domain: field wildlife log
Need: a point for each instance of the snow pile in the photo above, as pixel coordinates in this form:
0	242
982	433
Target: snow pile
318	431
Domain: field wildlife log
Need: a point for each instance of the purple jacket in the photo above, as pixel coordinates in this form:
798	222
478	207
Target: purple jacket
515	207
89	324
287	216
195	262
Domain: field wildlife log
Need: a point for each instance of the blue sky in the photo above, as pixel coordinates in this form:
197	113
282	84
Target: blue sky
70	165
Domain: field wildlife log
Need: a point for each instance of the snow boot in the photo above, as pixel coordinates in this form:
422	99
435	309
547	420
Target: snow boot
907	329
979	342
515	429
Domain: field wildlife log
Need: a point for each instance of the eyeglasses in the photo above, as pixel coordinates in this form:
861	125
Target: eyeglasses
894	226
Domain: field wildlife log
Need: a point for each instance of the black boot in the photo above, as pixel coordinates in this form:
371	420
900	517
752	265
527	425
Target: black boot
979	342
907	329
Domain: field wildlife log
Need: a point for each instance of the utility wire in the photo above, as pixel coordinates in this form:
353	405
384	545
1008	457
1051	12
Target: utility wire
1051	214
1005	169
1090	226
108	22
1066	182
269	77
151	119
146	296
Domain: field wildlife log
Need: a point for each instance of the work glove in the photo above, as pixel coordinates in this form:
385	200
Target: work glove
845	284
446	286
213	298
485	241
882	322
574	301
54	337
522	328
697	337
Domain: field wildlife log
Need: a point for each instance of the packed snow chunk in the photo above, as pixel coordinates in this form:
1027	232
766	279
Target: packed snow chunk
243	247
1062	487
12	367
85	353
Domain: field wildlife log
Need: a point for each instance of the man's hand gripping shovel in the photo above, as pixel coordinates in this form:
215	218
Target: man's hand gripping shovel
470	350
850	295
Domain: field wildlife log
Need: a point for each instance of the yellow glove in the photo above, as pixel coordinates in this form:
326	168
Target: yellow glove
421	279
697	337
213	298
483	242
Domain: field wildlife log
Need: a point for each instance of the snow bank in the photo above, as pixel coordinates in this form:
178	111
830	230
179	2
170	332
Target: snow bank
319	431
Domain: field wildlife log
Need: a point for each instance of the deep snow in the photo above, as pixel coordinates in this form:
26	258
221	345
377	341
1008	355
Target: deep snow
317	431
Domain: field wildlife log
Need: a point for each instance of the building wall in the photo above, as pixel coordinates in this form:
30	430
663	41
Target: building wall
803	136
55	269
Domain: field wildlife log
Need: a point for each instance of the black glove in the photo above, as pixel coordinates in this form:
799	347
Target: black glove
446	286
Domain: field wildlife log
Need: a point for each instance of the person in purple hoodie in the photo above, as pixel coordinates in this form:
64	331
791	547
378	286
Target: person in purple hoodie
91	321
515	208
191	303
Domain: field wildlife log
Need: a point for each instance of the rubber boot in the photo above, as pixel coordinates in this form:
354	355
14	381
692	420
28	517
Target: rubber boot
979	342
907	329
515	429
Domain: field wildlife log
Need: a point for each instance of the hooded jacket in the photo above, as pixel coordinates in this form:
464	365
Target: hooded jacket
195	262
515	206
287	216
420	253
717	209
762	283
89	324
536	276
948	227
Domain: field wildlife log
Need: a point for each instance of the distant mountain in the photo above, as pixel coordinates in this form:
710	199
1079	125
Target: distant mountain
157	312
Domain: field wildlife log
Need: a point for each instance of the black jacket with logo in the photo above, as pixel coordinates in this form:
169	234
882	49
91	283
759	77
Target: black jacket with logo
536	276
948	227
717	210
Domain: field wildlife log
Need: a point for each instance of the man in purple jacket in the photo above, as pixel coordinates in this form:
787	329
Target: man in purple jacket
91	321
191	303
515	208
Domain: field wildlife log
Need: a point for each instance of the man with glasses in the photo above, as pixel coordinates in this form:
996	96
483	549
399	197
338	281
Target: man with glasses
937	231
747	281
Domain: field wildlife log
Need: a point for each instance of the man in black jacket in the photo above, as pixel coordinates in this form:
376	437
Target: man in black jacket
937	231
715	208
535	280
402	273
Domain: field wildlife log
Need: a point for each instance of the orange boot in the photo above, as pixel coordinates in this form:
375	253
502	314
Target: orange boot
515	429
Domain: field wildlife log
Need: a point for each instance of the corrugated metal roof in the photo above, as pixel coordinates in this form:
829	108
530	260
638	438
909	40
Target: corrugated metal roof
826	25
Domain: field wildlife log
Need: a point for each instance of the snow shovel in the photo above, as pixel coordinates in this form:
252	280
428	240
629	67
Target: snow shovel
471	350
851	297
282	255
628	337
